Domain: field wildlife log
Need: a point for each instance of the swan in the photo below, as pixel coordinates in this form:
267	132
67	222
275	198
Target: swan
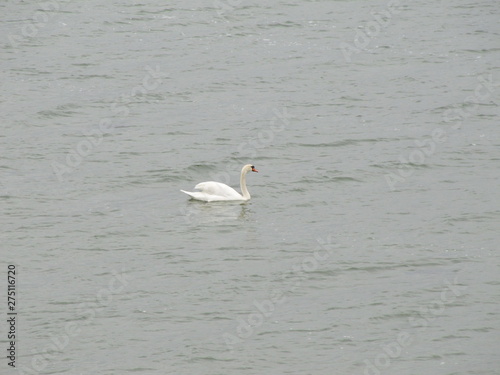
216	191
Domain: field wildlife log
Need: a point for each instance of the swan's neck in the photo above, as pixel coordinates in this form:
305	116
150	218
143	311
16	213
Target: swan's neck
243	185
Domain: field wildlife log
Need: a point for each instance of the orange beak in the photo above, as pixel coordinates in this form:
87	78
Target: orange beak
254	170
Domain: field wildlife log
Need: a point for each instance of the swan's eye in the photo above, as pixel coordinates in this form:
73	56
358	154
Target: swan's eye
252	167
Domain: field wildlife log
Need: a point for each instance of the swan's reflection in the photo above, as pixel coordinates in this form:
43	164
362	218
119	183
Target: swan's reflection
199	212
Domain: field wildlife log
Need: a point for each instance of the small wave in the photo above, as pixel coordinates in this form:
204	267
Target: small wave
320	179
346	142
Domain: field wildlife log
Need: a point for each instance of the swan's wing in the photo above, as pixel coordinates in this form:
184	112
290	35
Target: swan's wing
218	189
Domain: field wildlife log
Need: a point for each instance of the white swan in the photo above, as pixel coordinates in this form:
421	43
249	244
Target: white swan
217	191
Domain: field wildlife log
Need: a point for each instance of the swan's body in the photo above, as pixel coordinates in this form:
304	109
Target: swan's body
216	191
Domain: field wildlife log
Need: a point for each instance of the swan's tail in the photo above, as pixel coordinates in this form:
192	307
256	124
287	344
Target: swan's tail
188	193
195	195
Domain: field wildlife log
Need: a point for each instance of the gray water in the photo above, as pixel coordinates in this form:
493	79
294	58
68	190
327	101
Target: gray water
369	245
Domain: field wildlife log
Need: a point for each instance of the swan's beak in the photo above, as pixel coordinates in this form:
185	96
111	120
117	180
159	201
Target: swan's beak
254	170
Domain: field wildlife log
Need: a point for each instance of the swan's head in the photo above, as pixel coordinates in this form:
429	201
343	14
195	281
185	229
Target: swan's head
249	167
